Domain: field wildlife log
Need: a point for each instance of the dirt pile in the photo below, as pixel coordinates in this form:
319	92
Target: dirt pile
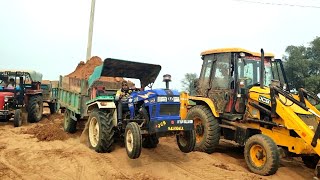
84	70
47	132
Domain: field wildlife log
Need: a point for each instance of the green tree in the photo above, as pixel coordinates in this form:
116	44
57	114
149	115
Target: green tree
188	82
302	66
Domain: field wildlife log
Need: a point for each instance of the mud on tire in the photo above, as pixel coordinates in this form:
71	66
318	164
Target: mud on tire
69	125
207	128
261	155
35	108
101	132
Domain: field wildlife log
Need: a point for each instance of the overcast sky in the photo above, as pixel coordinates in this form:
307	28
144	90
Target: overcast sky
50	36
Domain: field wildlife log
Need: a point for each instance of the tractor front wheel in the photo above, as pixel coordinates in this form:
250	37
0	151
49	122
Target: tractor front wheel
262	155
35	108
186	141
17	120
101	132
133	140
206	127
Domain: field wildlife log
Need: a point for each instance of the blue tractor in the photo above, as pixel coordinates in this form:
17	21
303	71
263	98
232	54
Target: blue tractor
140	118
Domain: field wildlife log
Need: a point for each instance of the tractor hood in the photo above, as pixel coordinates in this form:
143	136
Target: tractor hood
146	73
155	92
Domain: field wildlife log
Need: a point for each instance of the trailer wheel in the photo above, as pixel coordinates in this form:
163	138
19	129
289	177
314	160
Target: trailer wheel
17	120
101	132
262	155
310	161
150	141
206	127
35	109
186	141
53	108
133	140
69	125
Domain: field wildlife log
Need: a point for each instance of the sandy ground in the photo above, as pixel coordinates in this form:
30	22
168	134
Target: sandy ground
29	153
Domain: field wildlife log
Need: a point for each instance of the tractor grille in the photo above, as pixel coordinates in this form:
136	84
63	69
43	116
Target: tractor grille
310	121
169	109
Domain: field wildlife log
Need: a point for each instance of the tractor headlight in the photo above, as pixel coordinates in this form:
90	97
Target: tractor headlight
162	99
176	99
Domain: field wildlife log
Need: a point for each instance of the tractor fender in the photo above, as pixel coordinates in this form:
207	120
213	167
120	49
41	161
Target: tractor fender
102	105
111	106
207	101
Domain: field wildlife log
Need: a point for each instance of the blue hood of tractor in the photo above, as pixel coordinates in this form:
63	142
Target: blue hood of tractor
156	92
148	94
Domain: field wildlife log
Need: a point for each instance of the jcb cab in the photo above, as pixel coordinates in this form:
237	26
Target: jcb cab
244	97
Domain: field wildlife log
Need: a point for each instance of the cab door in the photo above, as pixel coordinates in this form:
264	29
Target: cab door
221	82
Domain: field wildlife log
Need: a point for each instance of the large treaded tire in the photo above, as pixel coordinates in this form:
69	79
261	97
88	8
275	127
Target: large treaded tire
101	131
207	128
186	141
17	120
35	108
69	125
262	155
310	161
150	141
133	140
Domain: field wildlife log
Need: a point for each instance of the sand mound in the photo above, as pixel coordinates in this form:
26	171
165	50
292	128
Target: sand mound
84	70
47	132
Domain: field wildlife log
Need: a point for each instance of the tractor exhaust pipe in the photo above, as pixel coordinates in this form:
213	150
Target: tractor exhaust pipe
167	79
262	70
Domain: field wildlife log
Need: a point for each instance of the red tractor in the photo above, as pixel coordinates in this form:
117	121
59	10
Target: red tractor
20	91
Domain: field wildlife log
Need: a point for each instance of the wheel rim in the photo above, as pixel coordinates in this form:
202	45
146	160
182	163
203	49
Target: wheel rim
94	132
129	140
199	129
258	155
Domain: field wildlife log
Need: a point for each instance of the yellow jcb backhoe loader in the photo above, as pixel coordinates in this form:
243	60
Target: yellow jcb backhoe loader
244	97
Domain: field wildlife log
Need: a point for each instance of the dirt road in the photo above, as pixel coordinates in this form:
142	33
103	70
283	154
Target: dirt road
23	156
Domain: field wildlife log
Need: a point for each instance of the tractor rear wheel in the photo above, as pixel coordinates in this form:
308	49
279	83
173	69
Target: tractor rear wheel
101	131
310	161
133	140
69	125
17	120
186	141
35	108
150	141
262	155
206	127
